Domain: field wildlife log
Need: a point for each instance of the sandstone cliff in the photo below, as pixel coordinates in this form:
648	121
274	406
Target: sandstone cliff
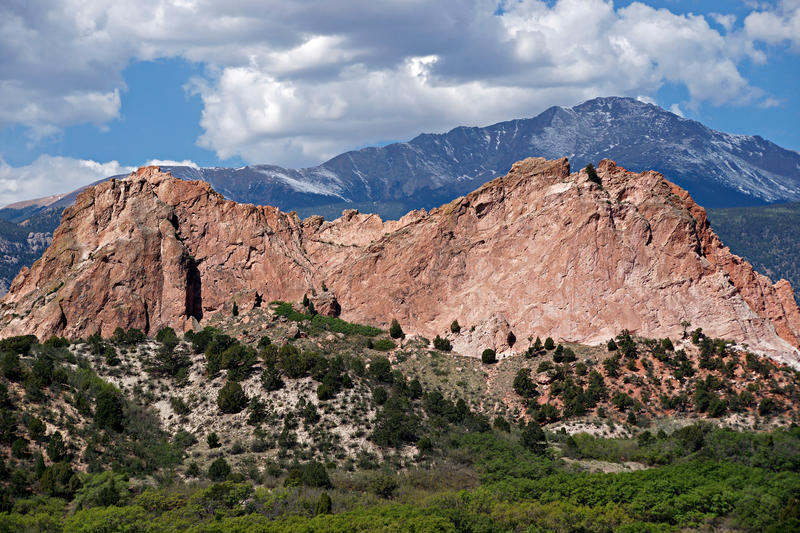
539	251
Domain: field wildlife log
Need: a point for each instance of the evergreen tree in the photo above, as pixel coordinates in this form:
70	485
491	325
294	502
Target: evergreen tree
533	438
455	327
219	470
592	174
56	449
324	504
395	331
231	398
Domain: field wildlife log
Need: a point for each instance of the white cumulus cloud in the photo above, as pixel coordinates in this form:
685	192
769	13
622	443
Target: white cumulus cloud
294	82
49	175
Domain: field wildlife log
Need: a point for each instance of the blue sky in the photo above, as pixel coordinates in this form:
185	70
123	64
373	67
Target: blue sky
91	88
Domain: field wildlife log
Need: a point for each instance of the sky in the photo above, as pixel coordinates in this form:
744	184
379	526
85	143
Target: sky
92	88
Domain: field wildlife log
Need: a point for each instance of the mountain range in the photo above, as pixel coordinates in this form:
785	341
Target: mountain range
718	169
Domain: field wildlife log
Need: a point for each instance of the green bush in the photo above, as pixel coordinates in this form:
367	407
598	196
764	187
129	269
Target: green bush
271	379
549	344
455	327
11	367
219	470
380	395
395	331
213	440
533	438
19	345
591	173
59	480
523	385
488	356
312	474
184	439
231	398
381	369
324	504
384	345
443	345
108	413
56	448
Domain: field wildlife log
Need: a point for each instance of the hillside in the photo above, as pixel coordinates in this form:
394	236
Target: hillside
277	419
767	236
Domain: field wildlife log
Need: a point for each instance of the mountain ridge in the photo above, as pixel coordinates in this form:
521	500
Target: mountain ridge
719	169
635	253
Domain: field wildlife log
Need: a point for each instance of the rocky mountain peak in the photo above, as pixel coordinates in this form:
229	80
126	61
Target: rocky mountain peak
540	251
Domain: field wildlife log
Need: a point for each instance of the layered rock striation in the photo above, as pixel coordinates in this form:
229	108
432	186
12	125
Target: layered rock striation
541	251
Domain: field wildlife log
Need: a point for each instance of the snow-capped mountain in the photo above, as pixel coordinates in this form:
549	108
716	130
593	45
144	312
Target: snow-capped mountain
719	169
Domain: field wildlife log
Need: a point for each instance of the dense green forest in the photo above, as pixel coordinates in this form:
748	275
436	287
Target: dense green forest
110	434
767	236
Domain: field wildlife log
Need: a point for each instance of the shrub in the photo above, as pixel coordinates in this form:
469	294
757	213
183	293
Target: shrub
443	345
455	327
20	345
167	335
184	439
213	440
36	428
384	345
381	369
59	480
611	366
56	449
108	414
414	389
10	367
231	398
312	474
324	504
489	356
549	344
380	395
591	173
425	445
501	424
767	406
19	448
558	355
271	379
395	331
622	401
384	485
179	406
395	424
612	345
219	470
533	438
193	470
523	385
263	342
324	392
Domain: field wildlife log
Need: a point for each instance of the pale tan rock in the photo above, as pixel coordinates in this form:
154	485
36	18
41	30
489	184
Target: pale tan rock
326	304
538	252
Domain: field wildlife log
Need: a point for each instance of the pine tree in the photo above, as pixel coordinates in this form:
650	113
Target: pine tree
395	331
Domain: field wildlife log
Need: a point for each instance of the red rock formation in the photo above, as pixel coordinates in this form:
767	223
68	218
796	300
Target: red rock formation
542	251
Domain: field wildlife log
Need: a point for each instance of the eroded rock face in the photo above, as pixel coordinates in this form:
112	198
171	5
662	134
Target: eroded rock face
540	252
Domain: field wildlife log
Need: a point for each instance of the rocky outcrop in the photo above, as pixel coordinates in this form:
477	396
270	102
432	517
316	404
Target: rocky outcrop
539	251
